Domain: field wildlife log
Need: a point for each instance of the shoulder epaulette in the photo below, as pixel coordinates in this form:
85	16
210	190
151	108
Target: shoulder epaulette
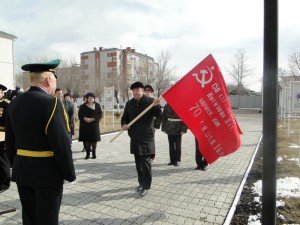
5	100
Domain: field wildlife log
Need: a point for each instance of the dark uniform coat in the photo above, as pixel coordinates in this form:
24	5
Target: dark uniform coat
69	107
4	162
171	123
35	121
89	131
3	106
157	121
142	131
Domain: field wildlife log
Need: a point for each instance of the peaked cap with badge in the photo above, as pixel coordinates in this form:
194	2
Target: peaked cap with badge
42	67
148	87
2	87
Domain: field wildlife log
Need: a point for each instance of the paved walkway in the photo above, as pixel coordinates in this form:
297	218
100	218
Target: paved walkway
104	192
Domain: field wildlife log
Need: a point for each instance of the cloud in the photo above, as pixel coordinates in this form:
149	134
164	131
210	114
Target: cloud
189	30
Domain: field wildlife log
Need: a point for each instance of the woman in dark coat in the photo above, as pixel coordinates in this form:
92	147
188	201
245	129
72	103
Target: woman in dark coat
89	115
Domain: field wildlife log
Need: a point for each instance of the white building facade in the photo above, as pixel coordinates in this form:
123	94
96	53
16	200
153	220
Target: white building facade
7	60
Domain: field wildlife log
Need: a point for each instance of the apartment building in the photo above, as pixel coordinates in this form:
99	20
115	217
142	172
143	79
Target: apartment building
106	67
7	59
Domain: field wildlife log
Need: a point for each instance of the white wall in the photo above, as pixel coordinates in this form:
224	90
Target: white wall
6	63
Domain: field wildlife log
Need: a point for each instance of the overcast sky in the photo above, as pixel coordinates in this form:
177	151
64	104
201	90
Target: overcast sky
189	30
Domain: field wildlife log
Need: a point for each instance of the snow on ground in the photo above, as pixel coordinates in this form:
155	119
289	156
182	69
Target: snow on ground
297	159
286	187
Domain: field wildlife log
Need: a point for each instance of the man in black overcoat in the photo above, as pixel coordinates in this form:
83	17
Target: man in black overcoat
141	133
37	143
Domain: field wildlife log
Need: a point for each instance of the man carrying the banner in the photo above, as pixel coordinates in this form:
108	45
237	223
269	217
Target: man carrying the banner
205	109
200	160
141	133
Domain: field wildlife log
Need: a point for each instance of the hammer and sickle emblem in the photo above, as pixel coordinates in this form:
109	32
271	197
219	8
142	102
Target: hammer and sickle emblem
202	81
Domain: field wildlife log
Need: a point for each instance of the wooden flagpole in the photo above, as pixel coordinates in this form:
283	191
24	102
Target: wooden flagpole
134	120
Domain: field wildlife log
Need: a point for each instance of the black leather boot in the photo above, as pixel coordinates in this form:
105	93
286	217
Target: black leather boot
94	154
87	153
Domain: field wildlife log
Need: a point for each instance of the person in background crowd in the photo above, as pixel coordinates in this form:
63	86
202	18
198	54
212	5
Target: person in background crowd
173	126
4	162
37	143
89	115
149	93
141	133
84	101
200	160
69	106
148	90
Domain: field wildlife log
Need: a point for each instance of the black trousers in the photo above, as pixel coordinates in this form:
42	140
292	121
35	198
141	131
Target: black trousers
4	168
200	160
40	205
144	171
175	147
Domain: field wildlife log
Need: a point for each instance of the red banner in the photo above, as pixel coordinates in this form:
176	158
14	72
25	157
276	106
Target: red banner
200	99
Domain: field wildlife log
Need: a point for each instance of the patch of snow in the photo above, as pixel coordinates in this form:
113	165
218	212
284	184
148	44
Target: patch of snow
257	199
294	159
279	159
254	220
280	216
286	187
280	204
294	146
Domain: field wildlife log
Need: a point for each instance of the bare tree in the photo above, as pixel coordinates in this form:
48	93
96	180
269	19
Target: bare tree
240	70
68	75
22	77
294	64
123	84
165	73
282	72
68	79
22	80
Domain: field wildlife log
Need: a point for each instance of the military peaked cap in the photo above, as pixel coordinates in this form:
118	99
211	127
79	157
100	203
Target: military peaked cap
148	87
136	85
2	87
42	67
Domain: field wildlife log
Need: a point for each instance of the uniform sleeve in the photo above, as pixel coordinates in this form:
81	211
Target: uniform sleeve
71	113
125	116
98	113
157	120
58	139
164	118
80	113
9	139
157	112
